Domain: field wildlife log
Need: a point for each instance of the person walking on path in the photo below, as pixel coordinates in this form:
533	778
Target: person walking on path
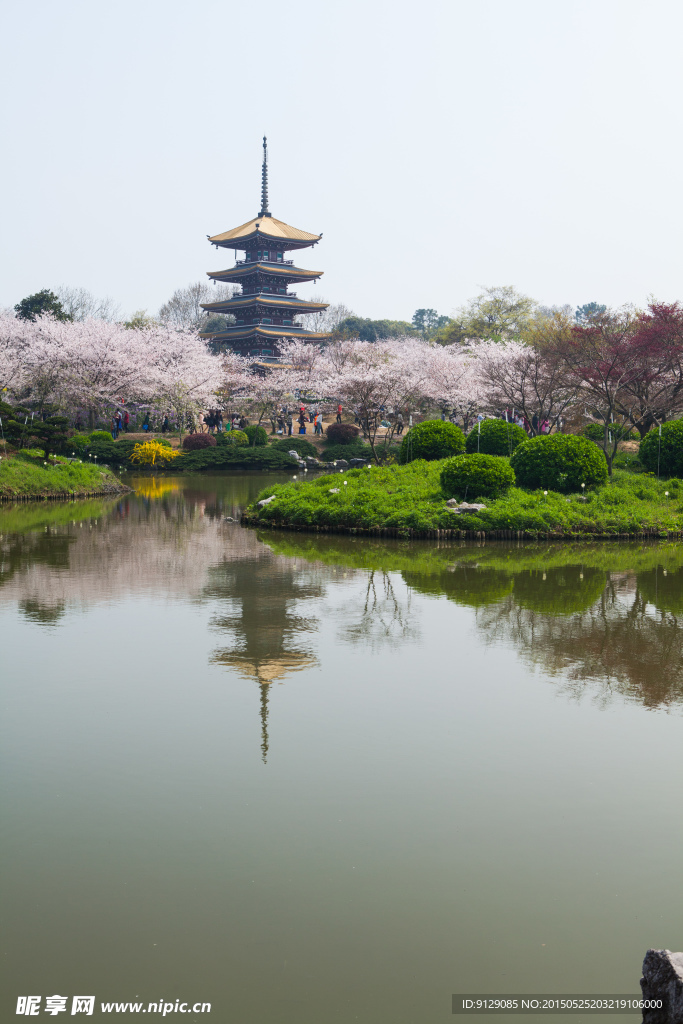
165	425
126	421
290	424
339	413
114	426
145	422
399	423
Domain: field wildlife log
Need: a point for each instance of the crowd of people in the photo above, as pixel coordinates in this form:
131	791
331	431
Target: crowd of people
214	421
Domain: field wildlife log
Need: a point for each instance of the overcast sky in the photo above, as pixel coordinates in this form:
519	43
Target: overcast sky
438	146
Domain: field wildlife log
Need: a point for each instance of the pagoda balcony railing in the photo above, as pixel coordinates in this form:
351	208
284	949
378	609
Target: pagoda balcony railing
275	295
276	263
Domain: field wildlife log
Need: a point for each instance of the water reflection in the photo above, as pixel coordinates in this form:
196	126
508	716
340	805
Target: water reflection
262	626
604	615
382	617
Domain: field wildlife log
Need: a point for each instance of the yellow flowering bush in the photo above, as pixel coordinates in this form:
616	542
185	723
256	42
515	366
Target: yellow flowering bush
150	452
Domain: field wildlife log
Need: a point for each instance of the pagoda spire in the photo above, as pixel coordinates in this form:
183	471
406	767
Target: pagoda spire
264	181
264	721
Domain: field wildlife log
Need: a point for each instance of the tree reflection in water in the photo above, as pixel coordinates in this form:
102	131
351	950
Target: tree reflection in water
603	615
384	617
621	642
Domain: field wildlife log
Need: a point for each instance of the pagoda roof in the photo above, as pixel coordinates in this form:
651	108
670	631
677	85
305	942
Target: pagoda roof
265	332
267	227
282	270
263	299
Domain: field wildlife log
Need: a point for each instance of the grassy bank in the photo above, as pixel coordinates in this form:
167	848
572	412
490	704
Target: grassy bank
406	501
25	476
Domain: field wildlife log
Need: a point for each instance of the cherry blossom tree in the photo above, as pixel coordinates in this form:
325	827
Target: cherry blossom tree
453	380
181	371
376	378
14	337
237	381
533	380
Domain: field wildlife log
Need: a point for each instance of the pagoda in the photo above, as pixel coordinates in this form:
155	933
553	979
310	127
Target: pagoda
265	310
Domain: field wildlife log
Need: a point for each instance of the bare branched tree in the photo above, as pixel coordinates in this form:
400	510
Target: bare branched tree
326	321
81	304
184	308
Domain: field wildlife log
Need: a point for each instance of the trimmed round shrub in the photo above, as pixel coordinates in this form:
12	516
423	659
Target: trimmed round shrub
495	437
559	462
100	435
193	442
78	442
342	433
476	476
433	439
231	439
671	454
257	436
296	444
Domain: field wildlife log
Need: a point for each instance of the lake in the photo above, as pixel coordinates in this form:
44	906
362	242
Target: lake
310	779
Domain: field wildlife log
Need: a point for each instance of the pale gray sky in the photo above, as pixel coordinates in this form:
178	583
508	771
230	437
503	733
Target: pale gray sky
439	146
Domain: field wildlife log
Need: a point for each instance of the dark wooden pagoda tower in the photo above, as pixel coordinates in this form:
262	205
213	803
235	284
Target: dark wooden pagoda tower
265	311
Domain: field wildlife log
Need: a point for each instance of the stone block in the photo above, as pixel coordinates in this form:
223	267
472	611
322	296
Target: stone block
663	979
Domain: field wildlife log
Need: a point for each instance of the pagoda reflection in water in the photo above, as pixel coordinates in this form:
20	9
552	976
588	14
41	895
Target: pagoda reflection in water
264	630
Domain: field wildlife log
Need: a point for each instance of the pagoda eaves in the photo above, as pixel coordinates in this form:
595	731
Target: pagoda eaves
281	271
268	228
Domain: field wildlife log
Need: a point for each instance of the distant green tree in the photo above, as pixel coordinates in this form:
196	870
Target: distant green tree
139	320
428	322
589	311
499	313
41	302
372	330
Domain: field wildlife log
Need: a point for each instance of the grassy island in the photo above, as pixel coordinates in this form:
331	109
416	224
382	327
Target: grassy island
28	475
407	501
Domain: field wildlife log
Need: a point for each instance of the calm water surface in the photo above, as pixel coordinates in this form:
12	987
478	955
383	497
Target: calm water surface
323	779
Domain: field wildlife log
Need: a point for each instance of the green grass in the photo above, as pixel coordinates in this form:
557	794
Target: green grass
408	499
26	476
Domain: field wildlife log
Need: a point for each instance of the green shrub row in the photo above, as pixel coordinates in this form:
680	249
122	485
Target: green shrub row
238	457
296	444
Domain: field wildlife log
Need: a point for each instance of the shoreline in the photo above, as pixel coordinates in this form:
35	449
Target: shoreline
24	479
111	493
395	533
